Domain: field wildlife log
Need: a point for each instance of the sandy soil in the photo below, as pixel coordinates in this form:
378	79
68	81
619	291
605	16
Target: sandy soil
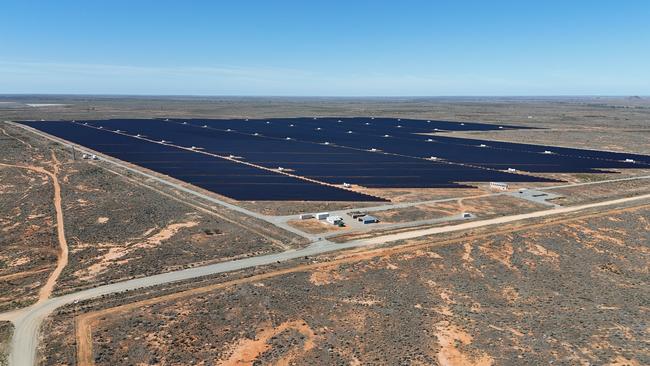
314	226
62	259
453	342
246	350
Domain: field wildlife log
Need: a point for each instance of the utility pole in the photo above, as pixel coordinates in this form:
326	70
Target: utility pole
74	155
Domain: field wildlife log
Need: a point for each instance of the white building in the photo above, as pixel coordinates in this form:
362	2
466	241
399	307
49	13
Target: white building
322	215
499	186
334	220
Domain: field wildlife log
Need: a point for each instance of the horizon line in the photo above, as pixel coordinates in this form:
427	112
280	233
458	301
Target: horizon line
330	96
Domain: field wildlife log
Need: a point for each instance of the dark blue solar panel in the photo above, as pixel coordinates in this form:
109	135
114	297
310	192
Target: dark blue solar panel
329	164
405	141
298	144
231	179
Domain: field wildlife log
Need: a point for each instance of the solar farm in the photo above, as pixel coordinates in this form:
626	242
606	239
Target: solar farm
328	159
165	231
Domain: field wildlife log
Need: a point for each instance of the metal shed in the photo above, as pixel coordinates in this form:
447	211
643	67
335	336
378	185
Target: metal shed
334	220
368	219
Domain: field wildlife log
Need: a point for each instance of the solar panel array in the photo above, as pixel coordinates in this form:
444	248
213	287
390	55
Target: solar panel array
225	177
236	157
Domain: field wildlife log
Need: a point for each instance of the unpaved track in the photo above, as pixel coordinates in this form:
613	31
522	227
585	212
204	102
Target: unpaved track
141	172
62	258
496	221
279	221
275	242
27	321
17	139
14	276
62	261
86	322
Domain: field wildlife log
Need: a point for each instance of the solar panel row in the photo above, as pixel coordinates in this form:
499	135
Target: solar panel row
327	163
376	153
494	155
237	181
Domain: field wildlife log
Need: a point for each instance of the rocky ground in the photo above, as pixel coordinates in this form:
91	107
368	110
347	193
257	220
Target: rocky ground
119	229
6	329
315	226
116	226
604	191
28	243
482	207
571	293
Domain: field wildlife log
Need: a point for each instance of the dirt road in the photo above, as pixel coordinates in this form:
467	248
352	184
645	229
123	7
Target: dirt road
140	171
495	221
17	139
27	321
14	276
62	258
86	322
62	261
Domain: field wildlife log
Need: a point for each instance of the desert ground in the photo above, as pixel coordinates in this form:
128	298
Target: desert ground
115	227
103	262
571	291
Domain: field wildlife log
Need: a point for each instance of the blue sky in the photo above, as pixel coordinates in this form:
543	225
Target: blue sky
326	48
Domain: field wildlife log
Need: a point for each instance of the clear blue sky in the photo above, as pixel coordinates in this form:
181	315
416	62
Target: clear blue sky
333	48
